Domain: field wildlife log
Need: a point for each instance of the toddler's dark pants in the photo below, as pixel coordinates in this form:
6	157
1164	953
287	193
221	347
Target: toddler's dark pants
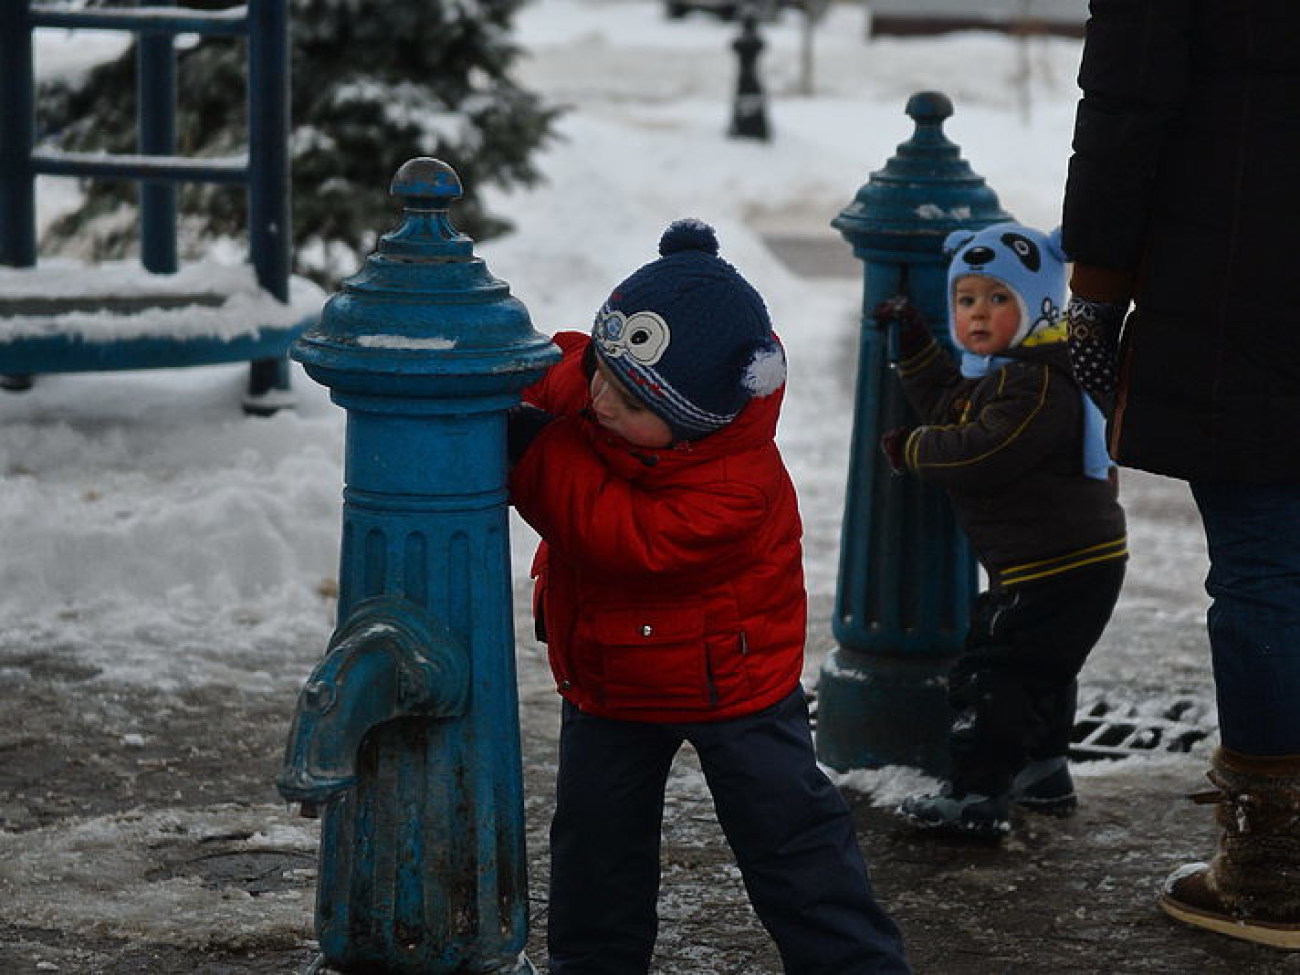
791	832
1013	687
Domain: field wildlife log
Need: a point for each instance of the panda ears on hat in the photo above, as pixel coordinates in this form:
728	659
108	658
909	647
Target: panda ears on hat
1057	248
958	239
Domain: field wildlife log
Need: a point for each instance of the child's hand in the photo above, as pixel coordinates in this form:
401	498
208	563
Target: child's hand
523	423
892	444
1094	328
897	310
913	333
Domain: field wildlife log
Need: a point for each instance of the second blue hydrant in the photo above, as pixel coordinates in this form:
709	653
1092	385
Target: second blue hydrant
907	577
406	735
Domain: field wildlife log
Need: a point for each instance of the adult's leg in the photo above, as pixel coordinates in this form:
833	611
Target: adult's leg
1250	889
1253	535
794	839
605	838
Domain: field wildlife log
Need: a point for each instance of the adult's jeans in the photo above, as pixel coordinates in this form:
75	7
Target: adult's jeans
1253	535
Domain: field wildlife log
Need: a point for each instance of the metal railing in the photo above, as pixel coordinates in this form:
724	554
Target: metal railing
264	170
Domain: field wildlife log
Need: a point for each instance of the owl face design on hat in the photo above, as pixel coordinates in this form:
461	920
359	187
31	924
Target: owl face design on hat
688	336
644	336
1029	262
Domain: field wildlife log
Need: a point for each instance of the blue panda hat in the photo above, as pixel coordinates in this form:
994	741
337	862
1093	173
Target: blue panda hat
1028	261
1032	264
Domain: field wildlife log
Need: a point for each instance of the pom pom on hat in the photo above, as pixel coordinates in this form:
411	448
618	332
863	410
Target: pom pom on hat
688	235
1028	261
689	336
765	373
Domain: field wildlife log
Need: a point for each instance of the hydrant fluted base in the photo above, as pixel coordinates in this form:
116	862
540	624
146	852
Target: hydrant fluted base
875	710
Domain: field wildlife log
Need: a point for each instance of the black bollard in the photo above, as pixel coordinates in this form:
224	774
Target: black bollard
749	111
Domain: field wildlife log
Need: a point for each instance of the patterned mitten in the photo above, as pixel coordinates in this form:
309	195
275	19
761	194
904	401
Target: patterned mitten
1094	328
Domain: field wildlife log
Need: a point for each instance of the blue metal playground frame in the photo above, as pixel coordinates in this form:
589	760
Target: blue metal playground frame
264	171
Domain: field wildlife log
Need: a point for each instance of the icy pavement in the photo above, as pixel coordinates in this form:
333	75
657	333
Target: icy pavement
142	834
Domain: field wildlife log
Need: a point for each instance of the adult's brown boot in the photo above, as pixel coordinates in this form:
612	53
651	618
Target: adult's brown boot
1251	888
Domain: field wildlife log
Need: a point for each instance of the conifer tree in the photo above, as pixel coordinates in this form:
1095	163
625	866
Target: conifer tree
373	84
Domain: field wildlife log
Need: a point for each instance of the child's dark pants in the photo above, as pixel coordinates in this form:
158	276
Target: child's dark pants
789	828
1013	687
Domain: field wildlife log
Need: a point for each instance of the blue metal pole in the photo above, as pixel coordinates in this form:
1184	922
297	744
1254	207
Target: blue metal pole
270	230
907	577
156	98
406	736
17	137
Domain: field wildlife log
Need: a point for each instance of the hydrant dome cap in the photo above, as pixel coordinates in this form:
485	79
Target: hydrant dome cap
929	107
426	178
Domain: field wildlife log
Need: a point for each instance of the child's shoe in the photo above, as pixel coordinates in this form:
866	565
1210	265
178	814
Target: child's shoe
1045	787
974	815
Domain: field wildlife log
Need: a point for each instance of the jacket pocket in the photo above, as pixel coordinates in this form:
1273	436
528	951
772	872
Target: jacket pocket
651	658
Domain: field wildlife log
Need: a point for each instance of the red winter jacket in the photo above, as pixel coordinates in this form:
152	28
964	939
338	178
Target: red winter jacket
669	582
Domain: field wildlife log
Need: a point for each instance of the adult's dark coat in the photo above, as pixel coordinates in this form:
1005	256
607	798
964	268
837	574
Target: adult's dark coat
1184	194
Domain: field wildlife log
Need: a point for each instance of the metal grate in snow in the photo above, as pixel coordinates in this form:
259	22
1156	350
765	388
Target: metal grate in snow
1105	728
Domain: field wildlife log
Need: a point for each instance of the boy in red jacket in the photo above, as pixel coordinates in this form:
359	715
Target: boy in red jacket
669	589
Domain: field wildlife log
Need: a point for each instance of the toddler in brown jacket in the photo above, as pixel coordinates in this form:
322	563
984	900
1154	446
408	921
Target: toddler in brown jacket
1020	450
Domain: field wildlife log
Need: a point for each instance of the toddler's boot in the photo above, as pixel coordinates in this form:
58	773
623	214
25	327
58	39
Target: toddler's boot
972	814
1251	887
1045	786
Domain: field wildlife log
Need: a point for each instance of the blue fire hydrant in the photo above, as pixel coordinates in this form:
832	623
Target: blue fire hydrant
907	578
406	736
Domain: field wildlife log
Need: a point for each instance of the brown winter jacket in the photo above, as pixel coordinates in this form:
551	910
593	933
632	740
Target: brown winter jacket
1184	194
1008	448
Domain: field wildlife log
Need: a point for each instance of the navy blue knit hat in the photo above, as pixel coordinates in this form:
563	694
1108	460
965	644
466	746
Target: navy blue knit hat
688	336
